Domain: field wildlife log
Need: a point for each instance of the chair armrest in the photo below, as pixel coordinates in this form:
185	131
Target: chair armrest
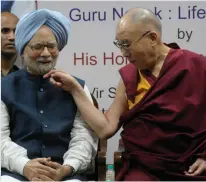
101	165
117	157
117	161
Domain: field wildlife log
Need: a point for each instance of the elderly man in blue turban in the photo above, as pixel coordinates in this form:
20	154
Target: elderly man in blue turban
43	136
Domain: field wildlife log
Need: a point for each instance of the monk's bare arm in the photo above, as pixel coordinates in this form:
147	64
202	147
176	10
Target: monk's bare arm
104	125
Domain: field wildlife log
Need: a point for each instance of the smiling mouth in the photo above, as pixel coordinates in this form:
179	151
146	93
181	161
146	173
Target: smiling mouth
44	62
131	61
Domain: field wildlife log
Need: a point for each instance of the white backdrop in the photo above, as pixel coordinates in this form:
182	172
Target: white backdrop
90	41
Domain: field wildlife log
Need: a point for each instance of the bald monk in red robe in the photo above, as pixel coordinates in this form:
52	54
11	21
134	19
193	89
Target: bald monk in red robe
160	103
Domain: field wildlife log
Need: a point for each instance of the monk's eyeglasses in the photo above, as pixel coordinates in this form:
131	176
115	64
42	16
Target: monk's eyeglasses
39	47
127	46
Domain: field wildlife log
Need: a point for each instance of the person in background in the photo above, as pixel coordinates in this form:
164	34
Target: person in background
160	103
43	136
8	49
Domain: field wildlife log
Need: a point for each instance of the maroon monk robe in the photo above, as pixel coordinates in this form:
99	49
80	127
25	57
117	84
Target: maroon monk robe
166	131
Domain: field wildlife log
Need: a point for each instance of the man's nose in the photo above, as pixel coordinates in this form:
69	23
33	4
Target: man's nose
124	52
11	36
45	52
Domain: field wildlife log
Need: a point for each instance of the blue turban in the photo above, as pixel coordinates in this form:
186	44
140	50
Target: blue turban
30	23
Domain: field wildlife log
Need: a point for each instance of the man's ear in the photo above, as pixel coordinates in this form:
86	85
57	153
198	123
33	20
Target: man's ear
154	38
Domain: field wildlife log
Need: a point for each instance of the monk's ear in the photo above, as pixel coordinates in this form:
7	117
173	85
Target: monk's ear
153	37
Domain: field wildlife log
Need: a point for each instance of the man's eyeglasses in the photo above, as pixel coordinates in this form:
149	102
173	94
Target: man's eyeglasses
127	46
38	47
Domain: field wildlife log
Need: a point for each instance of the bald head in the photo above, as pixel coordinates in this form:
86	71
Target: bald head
138	35
9	15
140	19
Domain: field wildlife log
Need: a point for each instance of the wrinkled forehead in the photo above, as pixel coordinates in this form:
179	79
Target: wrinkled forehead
128	31
43	35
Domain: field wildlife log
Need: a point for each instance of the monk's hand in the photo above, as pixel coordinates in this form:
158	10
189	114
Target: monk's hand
197	168
35	170
62	80
61	170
